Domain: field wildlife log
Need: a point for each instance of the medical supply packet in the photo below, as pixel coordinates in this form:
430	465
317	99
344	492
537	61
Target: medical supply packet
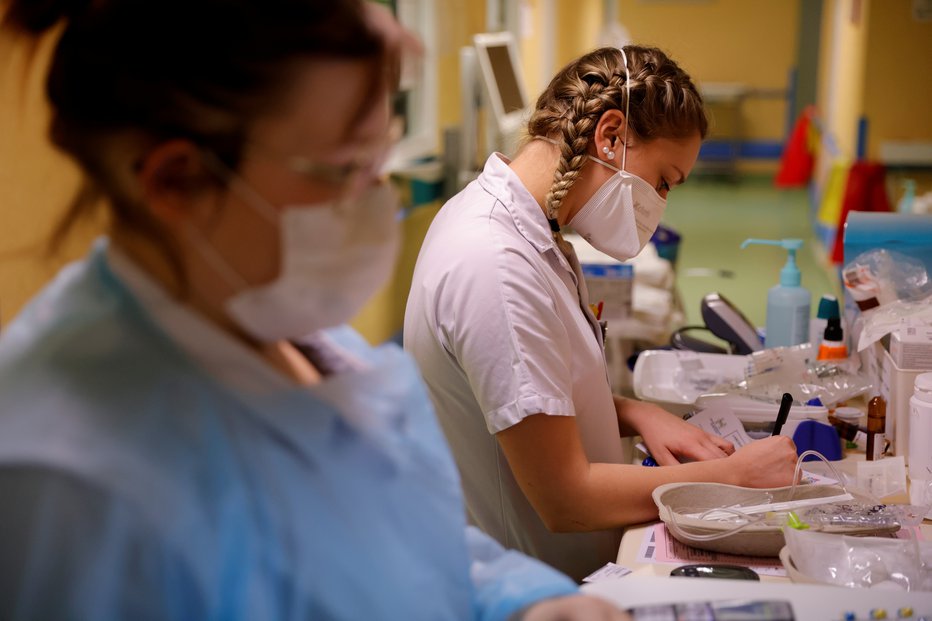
877	562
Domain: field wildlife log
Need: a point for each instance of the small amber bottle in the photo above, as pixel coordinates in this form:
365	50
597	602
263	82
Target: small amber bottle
876	422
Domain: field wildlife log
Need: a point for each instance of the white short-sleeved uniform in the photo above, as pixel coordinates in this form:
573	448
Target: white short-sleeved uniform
498	322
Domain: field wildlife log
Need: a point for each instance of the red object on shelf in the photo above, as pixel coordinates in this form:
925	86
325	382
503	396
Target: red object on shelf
797	160
865	191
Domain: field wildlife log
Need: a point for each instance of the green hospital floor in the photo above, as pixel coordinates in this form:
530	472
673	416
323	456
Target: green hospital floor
715	216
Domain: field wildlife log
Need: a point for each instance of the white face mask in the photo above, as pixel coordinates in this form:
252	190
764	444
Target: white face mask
620	218
333	260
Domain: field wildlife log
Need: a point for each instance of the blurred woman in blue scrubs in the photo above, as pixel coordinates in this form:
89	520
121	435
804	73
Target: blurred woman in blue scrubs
187	430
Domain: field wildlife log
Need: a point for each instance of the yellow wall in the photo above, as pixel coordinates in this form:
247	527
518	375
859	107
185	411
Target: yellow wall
825	48
842	70
457	22
898	60
880	68
38	182
752	42
529	43
578	23
384	315
577	27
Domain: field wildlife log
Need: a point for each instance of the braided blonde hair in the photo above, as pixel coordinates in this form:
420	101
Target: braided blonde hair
664	104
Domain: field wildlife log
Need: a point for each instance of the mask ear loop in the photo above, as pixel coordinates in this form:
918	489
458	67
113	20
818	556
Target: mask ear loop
624	151
203	245
240	186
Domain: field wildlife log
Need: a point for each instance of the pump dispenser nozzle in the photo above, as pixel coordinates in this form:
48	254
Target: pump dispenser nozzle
789	275
787	302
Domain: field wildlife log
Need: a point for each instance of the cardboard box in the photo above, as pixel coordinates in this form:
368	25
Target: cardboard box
612	285
911	346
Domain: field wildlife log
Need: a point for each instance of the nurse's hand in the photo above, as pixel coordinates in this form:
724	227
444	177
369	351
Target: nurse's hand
669	438
572	608
769	462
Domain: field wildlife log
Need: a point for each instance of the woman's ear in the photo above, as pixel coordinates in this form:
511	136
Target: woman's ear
171	176
608	133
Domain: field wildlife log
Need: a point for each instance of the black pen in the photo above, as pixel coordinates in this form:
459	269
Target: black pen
785	404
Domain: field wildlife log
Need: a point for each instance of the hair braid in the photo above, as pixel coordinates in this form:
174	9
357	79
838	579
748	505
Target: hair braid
594	94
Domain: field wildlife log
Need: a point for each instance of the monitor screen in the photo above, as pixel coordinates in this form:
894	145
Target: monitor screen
505	78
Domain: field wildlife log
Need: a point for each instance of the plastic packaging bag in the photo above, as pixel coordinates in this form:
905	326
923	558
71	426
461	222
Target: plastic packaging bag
772	372
879	277
864	515
920	494
881	321
692	378
878	562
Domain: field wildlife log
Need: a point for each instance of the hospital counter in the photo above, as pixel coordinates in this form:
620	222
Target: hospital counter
655	596
633	538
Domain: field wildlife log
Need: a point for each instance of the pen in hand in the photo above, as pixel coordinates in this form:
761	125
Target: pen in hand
785	404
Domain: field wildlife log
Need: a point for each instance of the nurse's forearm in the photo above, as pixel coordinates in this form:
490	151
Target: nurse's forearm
613	495
627	412
633	415
569	493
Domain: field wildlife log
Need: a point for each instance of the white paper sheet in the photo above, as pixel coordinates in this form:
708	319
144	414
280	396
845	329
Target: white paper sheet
610	571
722	423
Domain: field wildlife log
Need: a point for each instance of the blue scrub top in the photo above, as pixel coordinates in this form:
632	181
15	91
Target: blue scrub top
135	485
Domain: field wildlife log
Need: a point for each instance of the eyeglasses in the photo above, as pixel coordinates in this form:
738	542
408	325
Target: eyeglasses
362	168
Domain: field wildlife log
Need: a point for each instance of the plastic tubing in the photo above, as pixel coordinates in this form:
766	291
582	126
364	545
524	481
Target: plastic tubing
799	465
679	530
749	519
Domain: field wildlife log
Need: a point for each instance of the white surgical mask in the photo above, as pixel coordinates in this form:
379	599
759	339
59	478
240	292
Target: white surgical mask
333	259
620	218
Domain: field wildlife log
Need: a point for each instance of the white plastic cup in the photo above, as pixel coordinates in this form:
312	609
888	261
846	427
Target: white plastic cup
920	429
848	414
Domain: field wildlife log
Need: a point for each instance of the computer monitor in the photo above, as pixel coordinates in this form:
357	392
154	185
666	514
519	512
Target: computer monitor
497	54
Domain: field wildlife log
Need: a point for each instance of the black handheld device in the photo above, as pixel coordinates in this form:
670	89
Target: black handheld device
715	570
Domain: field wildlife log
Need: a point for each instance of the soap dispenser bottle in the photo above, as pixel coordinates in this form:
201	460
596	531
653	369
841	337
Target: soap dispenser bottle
788	302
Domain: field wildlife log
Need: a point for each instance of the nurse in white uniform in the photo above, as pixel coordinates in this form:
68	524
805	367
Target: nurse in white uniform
498	317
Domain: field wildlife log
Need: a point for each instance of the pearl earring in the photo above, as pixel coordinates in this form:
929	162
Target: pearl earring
608	152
